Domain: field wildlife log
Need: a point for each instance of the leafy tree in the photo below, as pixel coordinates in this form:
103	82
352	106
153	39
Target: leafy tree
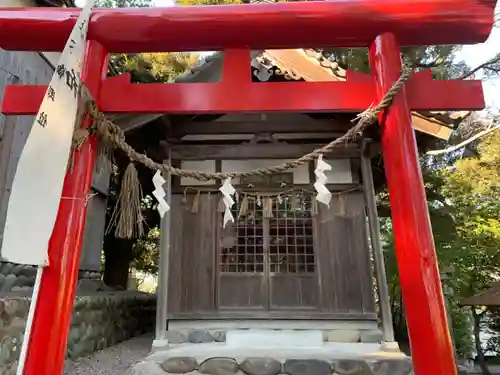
464	209
153	67
122	4
146	252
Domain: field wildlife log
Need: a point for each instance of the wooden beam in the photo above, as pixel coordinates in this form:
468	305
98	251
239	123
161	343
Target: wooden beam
253	127
257	151
119	95
316	24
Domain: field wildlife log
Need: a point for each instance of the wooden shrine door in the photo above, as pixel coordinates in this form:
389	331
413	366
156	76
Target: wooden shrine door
266	258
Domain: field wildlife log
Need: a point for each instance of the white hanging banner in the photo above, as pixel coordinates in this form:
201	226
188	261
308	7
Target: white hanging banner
37	186
227	190
324	196
159	193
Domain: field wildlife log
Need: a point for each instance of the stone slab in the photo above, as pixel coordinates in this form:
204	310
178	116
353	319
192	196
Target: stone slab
274	338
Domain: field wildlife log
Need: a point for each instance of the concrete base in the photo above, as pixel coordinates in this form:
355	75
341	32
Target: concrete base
260	338
390	346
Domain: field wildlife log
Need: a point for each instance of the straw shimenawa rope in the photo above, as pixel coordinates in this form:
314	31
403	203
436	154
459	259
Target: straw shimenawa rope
127	218
112	135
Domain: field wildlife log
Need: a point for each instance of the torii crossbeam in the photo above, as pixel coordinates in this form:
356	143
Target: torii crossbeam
380	25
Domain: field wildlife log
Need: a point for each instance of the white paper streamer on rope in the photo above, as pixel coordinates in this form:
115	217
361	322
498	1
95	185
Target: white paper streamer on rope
227	191
31	214
324	196
159	193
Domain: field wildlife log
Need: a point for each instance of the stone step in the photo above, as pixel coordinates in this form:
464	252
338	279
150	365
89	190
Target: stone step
271	366
268	359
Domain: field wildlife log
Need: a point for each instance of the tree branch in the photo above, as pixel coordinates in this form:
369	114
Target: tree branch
486	64
464	143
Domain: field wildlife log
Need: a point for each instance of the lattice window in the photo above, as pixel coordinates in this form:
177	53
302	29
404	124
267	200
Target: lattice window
291	247
278	240
245	251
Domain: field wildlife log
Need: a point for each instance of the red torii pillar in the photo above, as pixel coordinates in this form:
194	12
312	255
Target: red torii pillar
284	25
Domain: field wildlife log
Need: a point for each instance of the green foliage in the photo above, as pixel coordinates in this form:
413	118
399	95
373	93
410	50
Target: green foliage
154	67
439	58
147	252
147	67
465	216
122	3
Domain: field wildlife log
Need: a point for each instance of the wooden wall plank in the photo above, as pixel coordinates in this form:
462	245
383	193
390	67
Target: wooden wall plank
176	250
343	258
192	257
257	151
93	237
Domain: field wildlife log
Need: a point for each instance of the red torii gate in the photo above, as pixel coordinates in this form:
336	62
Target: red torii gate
381	25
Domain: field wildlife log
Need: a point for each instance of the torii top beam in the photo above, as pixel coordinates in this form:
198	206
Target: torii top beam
338	23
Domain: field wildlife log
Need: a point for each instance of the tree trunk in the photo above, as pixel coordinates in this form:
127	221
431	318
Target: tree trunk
477	341
118	255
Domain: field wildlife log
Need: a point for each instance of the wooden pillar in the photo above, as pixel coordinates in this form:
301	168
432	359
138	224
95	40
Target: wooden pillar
46	348
161	339
378	255
430	341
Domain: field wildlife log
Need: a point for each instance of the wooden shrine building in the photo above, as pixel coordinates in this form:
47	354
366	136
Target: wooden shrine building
291	286
287	262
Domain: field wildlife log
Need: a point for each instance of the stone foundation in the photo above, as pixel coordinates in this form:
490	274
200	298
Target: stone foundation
21	278
198	336
274	366
99	321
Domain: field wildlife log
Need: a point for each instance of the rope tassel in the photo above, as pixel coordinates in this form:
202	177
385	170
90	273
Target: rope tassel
267	209
228	192
127	216
196	203
323	196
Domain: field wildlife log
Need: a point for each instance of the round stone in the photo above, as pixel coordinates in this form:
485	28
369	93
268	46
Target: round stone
307	367
23	307
2	280
28	271
22	280
219	366
351	367
17	269
179	365
393	366
198	337
11	306
18	323
261	366
10	280
7	268
5	350
219	336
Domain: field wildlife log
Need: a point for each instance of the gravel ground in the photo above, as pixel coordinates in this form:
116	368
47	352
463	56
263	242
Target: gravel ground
114	360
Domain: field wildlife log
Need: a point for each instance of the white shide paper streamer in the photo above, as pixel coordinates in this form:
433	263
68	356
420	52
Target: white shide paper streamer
38	182
227	191
324	196
159	193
